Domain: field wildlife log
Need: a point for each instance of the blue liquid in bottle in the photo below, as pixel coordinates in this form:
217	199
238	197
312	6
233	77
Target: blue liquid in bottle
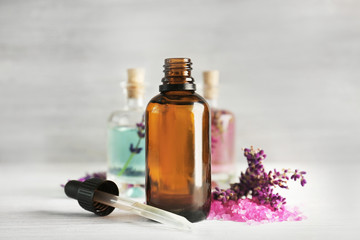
120	156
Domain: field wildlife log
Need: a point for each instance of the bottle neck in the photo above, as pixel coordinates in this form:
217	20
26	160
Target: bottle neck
177	75
134	103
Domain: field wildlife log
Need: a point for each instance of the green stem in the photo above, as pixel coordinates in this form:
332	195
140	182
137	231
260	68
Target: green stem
129	159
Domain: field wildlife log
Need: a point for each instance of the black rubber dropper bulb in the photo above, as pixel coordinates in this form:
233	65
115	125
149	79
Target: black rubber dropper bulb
84	193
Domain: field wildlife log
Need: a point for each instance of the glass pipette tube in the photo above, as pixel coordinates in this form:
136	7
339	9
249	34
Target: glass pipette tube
143	210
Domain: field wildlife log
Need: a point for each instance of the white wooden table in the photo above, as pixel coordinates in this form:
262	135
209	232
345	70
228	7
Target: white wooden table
34	206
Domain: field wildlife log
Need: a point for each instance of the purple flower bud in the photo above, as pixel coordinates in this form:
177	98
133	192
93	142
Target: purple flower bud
303	182
134	150
141	134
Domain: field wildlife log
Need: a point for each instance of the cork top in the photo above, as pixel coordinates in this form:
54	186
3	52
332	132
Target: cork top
135	83
211	84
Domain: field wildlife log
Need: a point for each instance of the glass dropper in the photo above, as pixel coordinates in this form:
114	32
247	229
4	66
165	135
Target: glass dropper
100	197
143	210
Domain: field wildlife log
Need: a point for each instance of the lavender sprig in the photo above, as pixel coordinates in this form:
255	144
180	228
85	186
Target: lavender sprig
135	150
258	183
224	195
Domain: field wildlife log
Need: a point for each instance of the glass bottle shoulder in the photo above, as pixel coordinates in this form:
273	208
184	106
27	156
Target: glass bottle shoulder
179	98
222	112
221	118
125	117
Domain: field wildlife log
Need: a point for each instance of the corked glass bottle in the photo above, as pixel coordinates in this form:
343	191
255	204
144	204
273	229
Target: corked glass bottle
126	144
223	164
178	154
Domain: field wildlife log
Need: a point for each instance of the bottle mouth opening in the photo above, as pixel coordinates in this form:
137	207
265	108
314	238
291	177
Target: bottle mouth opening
177	75
178	60
174	66
177	67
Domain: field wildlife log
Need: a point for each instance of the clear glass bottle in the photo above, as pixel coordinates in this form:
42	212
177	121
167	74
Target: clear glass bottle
223	164
178	155
126	143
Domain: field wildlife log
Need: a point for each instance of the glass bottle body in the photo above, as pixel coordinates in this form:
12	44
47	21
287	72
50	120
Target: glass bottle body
222	143
126	146
178	160
222	133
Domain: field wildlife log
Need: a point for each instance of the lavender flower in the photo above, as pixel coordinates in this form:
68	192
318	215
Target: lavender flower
141	128
259	184
135	149
224	195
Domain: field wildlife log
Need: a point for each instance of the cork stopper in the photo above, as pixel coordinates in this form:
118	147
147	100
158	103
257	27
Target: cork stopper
211	84
135	83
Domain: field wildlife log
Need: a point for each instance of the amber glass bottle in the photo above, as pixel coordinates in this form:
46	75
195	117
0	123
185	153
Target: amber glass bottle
178	160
